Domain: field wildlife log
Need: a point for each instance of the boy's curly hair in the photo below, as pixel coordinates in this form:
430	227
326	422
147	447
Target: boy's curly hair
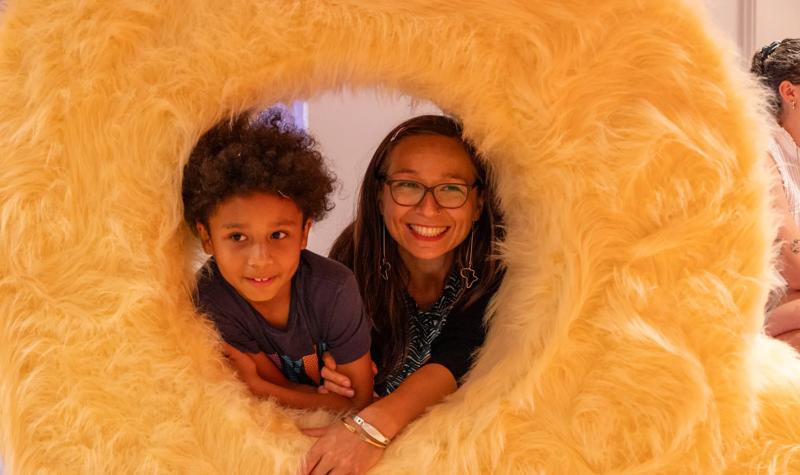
249	154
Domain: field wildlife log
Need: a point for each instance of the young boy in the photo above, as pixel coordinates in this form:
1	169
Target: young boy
251	190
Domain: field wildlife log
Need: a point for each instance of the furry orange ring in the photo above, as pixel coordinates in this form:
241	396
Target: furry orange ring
627	153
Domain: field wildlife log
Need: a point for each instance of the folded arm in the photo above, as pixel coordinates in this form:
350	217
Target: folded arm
264	379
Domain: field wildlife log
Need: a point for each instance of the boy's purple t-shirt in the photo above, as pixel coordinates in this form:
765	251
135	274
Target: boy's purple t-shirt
325	314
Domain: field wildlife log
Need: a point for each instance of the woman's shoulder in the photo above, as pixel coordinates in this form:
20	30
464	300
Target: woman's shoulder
781	146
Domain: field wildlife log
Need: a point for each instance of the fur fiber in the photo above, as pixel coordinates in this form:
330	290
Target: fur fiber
628	151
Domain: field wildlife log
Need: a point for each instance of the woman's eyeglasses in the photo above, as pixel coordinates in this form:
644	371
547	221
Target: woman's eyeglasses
446	195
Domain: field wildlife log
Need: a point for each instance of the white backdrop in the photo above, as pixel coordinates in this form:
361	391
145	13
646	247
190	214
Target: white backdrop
349	126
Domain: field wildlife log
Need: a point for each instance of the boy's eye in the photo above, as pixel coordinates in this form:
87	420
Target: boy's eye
278	235
237	237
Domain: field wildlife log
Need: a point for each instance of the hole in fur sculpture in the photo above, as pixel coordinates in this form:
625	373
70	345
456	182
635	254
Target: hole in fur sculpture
628	152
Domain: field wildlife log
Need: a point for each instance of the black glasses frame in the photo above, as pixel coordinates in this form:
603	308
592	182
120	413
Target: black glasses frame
432	190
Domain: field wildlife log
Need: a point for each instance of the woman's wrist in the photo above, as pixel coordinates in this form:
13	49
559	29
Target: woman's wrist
381	421
371	431
367	433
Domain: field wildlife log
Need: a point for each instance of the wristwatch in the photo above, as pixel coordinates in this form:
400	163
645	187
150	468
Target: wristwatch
371	430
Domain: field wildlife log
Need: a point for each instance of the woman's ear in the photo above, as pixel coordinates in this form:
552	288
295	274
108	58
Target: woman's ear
205	239
478	207
790	93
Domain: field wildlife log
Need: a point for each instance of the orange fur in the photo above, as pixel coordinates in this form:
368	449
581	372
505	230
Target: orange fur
628	152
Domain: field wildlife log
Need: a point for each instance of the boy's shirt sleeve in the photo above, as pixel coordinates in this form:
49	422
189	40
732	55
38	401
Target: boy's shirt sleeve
233	332
212	300
348	329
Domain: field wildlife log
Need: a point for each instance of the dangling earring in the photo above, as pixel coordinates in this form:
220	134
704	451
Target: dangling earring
794	105
385	266
468	273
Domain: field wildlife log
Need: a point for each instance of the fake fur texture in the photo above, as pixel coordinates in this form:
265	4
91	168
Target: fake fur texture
628	155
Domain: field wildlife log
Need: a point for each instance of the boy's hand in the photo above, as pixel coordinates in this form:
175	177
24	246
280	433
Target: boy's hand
336	382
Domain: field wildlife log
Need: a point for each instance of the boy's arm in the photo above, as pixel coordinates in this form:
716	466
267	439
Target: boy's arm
347	334
362	377
264	367
286	393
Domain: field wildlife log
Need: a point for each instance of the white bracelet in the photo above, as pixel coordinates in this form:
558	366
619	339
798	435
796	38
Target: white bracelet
371	430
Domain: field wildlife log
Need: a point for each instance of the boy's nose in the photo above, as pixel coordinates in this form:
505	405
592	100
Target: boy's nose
259	255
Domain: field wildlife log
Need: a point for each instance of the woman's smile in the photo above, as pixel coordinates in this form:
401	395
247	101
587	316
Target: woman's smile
428	233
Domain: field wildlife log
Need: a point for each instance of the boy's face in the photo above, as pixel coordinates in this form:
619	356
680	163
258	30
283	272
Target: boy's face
256	239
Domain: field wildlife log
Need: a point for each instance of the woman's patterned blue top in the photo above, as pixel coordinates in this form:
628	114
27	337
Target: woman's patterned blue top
424	327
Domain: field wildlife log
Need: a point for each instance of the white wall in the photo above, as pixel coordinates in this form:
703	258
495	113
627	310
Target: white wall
752	24
776	20
725	14
349	126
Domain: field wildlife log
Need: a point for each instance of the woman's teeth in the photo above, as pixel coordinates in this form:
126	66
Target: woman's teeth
427	231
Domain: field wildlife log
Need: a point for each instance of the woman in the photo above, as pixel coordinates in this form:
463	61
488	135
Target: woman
778	67
422	248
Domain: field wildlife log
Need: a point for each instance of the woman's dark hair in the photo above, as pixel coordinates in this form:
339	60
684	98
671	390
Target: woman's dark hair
255	153
775	63
359	245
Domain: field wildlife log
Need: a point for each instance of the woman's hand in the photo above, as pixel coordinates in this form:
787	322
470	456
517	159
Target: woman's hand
338	451
341	452
336	382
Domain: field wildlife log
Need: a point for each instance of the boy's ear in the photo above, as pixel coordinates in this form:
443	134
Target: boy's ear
306	229
205	239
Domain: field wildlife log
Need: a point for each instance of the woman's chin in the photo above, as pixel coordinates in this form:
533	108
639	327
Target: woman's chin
428	252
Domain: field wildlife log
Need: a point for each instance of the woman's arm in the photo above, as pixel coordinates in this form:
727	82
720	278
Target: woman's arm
788	233
422	389
453	349
266	383
341	450
451	356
